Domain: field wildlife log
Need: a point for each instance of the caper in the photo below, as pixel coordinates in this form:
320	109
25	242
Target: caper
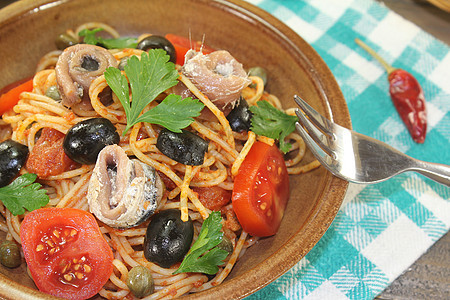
53	92
260	72
123	62
10	254
64	40
140	281
226	245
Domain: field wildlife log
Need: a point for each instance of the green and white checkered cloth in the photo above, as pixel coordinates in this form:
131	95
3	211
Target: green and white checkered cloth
381	229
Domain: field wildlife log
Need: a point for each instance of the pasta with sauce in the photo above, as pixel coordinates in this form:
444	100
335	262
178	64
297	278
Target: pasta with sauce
37	114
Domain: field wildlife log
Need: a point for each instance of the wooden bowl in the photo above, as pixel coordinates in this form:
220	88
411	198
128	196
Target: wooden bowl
28	29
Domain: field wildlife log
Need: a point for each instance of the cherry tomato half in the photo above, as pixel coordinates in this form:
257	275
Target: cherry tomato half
261	190
182	45
65	252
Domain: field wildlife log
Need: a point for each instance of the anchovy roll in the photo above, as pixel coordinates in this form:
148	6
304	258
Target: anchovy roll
77	67
123	192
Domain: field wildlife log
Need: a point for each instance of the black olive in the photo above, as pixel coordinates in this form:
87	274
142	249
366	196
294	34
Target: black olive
168	238
158	42
240	117
185	147
87	138
13	156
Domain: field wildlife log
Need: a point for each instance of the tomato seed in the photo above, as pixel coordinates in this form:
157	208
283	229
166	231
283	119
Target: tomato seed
65	269
79	275
87	269
76	267
263	206
67	277
39	247
56	233
50	243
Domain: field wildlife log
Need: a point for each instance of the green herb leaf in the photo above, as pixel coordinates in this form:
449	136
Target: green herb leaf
273	123
23	193
174	113
204	255
149	77
91	38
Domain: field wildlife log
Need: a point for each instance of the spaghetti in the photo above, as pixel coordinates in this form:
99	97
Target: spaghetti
227	150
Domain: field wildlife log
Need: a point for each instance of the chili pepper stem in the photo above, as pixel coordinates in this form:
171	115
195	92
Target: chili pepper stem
375	55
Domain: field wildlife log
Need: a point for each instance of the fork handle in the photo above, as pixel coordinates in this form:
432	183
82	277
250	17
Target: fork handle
438	172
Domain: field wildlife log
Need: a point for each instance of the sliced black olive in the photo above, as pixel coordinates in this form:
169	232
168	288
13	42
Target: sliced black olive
13	156
168	238
87	138
240	117
64	40
10	254
158	42
185	147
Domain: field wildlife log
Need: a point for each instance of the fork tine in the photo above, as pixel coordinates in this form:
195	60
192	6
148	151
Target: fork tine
314	133
324	158
323	123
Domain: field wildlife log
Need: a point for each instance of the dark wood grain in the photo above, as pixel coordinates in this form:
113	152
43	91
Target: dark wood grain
429	276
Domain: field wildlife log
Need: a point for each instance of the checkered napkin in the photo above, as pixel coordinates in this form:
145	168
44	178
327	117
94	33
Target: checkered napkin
381	229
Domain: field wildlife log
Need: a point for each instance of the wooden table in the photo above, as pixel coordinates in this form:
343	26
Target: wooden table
429	277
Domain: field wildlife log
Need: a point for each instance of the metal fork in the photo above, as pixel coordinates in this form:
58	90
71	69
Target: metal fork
355	157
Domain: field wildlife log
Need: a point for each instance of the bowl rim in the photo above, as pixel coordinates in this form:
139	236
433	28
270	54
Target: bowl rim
318	221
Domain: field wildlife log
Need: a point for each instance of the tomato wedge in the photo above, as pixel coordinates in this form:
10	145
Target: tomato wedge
261	190
65	252
10	94
182	45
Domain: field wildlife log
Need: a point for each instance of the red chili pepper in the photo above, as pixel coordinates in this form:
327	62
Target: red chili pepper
407	96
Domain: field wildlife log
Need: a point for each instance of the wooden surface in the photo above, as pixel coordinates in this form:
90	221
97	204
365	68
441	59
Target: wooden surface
429	276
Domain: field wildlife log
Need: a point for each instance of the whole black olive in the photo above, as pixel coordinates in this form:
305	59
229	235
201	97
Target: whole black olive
158	42
87	138
168	238
13	156
185	147
240	117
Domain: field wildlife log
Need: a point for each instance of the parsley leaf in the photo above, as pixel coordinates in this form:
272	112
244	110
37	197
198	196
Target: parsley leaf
23	193
114	43
149	77
173	112
210	236
273	123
